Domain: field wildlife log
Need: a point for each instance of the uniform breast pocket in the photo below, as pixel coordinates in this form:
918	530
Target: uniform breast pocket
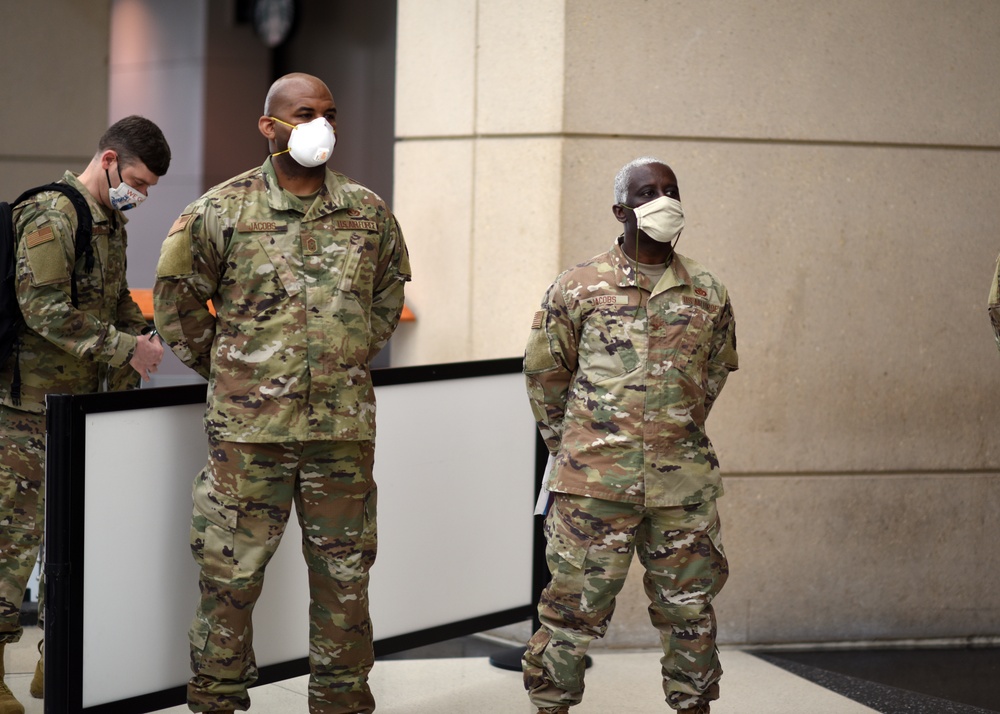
262	280
688	333
608	341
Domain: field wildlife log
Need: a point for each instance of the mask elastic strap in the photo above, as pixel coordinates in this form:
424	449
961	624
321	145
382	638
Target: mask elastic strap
635	262
287	149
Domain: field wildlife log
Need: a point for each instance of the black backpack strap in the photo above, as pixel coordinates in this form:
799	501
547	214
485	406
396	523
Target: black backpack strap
84	225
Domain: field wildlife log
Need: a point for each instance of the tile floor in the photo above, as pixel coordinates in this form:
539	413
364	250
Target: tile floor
463	681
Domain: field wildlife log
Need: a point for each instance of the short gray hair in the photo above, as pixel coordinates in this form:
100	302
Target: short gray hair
625	174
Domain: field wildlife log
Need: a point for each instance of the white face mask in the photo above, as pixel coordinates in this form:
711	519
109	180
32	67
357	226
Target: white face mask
310	144
123	197
661	219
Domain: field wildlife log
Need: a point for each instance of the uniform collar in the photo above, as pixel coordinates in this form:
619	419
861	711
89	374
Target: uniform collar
676	275
98	213
281	200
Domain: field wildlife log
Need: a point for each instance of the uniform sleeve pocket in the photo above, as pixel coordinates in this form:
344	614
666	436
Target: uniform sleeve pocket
47	261
538	354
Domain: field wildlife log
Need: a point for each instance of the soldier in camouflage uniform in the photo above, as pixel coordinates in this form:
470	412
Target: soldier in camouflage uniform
92	347
993	304
305	269
623	364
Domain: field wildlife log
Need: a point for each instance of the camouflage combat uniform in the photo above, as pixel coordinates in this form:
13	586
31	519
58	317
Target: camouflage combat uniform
305	294
993	304
621	379
65	350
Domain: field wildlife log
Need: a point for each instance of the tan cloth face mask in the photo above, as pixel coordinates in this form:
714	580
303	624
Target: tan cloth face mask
661	219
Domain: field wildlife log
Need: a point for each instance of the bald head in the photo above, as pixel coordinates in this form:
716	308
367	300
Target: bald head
288	89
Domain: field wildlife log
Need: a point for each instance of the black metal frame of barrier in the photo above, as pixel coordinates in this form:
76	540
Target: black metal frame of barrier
64	548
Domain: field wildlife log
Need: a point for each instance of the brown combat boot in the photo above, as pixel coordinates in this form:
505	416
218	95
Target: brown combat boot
8	702
37	688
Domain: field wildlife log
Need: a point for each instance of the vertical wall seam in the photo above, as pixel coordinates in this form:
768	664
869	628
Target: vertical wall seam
470	272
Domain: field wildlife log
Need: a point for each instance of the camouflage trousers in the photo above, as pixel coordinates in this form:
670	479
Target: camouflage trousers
242	502
589	548
22	511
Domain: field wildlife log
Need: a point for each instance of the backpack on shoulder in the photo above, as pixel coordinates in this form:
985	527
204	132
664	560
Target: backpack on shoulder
11	321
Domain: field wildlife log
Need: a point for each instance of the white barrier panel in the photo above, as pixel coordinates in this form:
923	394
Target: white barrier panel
455	466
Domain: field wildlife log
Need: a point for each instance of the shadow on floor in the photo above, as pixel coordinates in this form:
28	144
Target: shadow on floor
960	681
892	681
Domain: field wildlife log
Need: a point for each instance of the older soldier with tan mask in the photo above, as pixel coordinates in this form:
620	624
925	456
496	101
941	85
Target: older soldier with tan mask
305	269
623	364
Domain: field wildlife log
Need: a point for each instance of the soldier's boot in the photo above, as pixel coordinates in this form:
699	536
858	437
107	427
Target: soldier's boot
8	702
37	687
697	709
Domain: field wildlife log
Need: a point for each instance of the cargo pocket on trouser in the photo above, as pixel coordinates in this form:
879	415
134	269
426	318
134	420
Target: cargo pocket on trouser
565	552
213	529
369	532
720	563
22	471
554	657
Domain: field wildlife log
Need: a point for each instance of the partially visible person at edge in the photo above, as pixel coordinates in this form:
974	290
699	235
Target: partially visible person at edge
305	269
99	345
624	361
993	303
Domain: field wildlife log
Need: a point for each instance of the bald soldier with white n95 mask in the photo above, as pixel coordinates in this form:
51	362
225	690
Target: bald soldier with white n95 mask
305	269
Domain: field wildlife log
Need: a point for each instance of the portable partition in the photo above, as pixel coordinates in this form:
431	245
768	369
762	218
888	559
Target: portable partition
457	463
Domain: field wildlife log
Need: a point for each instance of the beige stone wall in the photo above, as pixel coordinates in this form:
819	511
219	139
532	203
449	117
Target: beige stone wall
839	170
54	74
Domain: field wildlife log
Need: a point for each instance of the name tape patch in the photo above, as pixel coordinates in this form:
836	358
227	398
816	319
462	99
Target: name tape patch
703	304
606	300
357	225
261	227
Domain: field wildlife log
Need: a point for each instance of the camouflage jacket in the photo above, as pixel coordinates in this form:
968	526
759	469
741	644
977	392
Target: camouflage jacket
993	303
67	350
621	391
304	296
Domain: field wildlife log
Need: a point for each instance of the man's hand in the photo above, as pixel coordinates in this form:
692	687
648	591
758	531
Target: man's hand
148	353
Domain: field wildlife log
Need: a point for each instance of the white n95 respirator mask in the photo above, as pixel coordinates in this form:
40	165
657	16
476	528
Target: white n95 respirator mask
661	219
310	144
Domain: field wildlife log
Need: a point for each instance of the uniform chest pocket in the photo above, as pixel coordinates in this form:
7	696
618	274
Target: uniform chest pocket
608	341
686	334
263	278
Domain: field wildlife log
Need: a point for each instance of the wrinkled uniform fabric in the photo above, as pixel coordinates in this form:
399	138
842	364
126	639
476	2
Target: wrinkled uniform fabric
993	303
64	350
304	294
621	375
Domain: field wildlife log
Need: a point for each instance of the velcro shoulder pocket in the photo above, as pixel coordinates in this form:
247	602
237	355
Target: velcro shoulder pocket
538	353
46	258
175	253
